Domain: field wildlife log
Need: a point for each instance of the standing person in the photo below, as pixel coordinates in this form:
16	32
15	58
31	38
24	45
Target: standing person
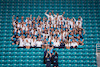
56	59
52	58
45	52
48	59
79	22
58	17
49	16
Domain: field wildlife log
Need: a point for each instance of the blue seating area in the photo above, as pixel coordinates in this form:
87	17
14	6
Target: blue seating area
84	56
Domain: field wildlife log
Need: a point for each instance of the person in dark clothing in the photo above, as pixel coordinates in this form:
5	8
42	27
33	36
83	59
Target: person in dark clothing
48	59
52	58
15	39
56	60
45	52
62	45
44	56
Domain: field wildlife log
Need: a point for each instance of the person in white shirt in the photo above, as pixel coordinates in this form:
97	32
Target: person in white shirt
49	16
45	42
45	24
58	17
66	32
27	44
34	19
21	41
14	22
74	44
27	28
39	27
27	41
56	42
19	25
51	38
45	34
33	42
19	31
72	23
28	21
79	22
67	44
68	22
34	32
39	43
15	29
23	27
62	35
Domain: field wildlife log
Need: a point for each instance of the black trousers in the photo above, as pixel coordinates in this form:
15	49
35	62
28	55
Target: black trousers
72	47
44	60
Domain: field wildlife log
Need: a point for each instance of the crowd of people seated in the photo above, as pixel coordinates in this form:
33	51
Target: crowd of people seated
55	30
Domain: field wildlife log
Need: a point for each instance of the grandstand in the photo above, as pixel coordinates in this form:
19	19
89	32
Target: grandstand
84	56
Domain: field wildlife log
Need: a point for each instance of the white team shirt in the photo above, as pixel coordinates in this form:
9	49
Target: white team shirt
27	43
33	43
56	44
68	45
80	21
39	43
49	16
74	44
22	42
80	25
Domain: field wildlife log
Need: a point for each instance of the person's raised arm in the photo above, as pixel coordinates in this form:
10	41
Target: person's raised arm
12	37
53	13
63	13
46	54
13	18
83	31
74	19
80	18
82	40
46	13
49	53
31	17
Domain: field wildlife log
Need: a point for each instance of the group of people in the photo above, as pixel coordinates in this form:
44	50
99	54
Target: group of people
55	30
50	56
